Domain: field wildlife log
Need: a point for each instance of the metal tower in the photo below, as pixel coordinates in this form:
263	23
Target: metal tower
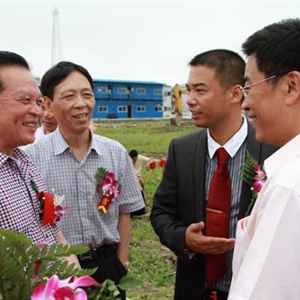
57	52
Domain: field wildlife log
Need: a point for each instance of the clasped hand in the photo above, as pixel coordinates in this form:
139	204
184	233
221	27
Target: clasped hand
195	241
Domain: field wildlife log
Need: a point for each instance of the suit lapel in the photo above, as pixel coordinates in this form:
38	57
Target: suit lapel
199	175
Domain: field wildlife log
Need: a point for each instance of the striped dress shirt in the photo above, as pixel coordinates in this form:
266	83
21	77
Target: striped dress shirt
83	223
236	147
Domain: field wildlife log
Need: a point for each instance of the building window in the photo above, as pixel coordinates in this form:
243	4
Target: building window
140	108
123	91
158	108
102	109
141	91
122	109
103	90
157	92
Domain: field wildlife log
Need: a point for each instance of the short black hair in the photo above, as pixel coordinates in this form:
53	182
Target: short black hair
276	48
229	66
8	58
133	153
58	73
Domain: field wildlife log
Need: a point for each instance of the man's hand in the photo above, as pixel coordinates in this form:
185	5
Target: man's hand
195	241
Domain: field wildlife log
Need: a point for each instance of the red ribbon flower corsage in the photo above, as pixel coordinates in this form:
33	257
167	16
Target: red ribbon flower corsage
51	209
107	187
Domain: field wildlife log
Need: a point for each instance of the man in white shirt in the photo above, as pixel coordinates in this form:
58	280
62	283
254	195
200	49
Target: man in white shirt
266	262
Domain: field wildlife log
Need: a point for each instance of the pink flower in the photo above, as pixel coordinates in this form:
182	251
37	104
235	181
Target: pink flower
110	187
260	174
257	185
259	178
55	289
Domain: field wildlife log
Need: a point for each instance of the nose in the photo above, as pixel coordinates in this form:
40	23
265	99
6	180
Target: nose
80	101
245	104
191	100
36	109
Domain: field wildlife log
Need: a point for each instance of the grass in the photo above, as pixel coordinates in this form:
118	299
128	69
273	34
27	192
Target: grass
151	262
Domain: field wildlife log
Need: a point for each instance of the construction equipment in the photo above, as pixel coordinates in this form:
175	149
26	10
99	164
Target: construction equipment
177	103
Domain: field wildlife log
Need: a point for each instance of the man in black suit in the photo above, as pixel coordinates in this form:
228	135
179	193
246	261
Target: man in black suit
179	208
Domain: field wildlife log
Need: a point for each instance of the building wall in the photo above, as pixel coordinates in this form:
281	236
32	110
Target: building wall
128	99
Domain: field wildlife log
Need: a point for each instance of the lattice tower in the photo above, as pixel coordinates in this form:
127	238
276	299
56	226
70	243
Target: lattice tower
57	52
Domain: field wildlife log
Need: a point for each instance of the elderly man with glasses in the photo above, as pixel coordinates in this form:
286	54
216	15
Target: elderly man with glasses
266	263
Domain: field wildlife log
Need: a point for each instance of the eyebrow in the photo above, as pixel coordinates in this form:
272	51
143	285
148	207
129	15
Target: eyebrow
196	85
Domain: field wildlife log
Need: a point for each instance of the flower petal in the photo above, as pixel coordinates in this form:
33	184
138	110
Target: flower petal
84	281
45	290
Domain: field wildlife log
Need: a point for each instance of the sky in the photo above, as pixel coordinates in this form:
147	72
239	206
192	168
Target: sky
133	40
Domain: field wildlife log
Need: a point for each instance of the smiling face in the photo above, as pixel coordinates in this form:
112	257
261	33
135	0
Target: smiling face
21	108
72	104
265	105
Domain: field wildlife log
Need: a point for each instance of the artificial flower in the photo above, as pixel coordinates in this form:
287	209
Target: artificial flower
152	165
162	162
51	209
255	176
69	288
107	187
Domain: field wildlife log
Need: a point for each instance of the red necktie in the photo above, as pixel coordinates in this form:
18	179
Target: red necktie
218	215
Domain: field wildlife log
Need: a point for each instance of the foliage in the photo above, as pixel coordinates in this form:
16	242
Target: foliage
23	266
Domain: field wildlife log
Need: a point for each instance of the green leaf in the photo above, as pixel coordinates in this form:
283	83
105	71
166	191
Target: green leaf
128	282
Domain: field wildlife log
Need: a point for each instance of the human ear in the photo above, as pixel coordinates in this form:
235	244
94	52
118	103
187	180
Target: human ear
292	84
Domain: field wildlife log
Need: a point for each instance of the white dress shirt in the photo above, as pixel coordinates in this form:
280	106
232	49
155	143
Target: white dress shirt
266	263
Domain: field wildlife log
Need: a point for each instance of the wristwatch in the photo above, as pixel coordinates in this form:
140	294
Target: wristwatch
126	265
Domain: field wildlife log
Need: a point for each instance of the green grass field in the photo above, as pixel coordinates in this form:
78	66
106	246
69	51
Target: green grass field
151	262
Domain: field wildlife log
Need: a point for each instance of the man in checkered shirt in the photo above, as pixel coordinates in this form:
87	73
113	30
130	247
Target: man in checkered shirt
21	103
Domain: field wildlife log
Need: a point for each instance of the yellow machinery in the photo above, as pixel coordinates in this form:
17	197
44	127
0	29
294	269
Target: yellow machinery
177	106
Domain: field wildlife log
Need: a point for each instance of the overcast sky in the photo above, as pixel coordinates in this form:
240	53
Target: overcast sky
134	40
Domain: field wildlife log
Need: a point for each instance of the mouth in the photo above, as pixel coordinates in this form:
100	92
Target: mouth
195	113
30	124
252	118
81	116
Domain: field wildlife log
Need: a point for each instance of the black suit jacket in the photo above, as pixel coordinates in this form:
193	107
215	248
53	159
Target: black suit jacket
180	200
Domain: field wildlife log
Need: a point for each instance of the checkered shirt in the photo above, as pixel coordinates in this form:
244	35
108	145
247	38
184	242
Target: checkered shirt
19	207
83	223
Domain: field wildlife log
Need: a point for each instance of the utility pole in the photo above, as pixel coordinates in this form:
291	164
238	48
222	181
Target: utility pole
57	52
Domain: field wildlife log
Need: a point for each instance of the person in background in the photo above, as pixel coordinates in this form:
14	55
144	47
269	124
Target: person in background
48	123
139	162
182	214
93	172
21	107
266	262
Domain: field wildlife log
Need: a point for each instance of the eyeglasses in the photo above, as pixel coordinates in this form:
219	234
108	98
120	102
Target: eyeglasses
245	89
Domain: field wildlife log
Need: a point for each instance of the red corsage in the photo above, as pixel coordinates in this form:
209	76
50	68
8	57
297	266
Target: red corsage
51	209
107	187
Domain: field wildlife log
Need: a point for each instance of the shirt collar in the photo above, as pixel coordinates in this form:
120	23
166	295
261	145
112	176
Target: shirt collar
233	145
282	156
19	155
61	145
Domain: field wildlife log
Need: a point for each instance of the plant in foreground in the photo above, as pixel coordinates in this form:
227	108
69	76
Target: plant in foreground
28	271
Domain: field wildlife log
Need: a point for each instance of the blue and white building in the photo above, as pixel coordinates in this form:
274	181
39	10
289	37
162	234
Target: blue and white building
131	99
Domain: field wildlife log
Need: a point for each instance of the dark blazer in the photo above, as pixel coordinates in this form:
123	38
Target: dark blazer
180	200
